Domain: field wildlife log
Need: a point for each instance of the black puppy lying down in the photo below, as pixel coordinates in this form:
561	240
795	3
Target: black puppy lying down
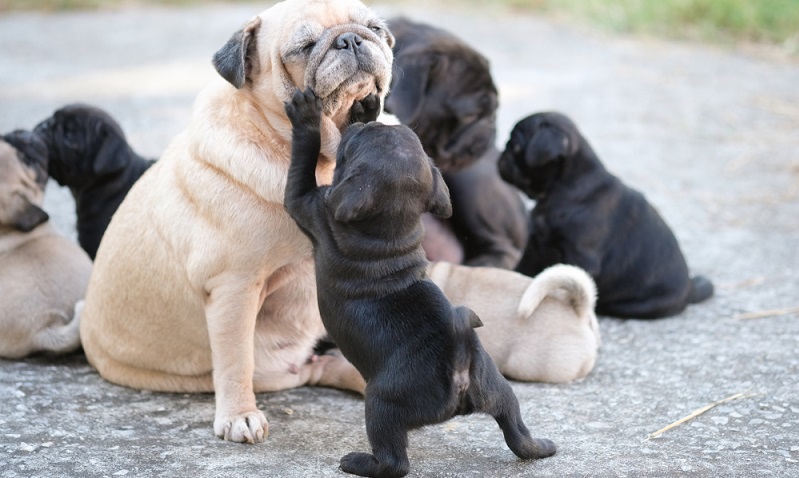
89	154
421	360
587	217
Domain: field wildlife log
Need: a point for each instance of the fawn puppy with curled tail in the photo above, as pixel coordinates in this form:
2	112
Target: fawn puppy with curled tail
540	329
43	275
419	355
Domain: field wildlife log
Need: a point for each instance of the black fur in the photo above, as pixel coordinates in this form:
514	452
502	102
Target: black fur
443	90
587	217
89	154
422	361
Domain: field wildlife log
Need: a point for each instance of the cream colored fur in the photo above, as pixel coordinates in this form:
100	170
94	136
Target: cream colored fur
202	281
42	274
540	329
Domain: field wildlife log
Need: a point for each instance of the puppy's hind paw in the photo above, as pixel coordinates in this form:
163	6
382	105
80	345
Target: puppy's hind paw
250	427
305	108
365	464
534	448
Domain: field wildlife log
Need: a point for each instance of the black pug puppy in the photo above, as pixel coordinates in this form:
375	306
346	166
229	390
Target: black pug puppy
443	90
587	217
420	357
89	154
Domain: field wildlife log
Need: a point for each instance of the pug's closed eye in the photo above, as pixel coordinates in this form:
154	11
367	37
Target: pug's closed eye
303	41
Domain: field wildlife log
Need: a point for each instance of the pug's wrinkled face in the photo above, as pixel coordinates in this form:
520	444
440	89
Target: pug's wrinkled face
536	153
32	151
339	48
20	192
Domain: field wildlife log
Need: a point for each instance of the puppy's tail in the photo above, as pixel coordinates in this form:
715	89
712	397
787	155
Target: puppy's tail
578	285
464	319
60	338
701	289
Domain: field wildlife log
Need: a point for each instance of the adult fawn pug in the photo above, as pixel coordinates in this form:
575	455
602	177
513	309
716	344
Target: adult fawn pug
202	281
43	275
540	329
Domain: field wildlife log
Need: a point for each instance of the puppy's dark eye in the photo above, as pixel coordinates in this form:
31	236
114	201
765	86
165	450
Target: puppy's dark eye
517	149
375	28
308	46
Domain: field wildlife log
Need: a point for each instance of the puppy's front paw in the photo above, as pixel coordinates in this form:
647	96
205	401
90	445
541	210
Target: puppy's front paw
365	110
305	108
249	427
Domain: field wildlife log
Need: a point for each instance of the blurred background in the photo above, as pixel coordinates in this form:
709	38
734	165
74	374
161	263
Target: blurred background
766	22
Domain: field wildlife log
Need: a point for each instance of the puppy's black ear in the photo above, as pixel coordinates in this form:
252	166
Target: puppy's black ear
112	155
237	59
439	203
351	201
29	216
547	145
410	77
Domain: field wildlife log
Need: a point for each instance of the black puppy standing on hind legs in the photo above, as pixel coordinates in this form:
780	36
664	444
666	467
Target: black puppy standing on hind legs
422	362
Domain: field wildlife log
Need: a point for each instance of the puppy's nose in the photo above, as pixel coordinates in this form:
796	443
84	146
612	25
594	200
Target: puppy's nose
349	41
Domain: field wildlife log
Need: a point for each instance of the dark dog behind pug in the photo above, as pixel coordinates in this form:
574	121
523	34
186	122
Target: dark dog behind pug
89	154
422	361
443	90
587	217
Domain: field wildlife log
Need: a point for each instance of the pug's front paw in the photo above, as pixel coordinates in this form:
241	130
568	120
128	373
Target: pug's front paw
248	427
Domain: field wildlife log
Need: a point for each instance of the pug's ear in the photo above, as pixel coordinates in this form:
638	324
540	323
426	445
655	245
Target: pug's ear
410	77
547	145
237	59
351	202
439	203
28	216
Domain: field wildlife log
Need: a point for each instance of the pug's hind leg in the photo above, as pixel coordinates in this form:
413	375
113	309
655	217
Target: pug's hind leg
504	408
389	439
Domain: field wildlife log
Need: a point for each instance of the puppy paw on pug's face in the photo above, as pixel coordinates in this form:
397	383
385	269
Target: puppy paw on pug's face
340	49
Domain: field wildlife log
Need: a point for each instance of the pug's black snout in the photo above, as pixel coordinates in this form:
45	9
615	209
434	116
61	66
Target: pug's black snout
349	41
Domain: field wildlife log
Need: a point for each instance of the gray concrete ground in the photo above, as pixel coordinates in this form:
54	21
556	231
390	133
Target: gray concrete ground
710	136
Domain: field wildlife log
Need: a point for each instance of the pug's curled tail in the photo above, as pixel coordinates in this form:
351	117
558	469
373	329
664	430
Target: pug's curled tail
63	336
578	286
